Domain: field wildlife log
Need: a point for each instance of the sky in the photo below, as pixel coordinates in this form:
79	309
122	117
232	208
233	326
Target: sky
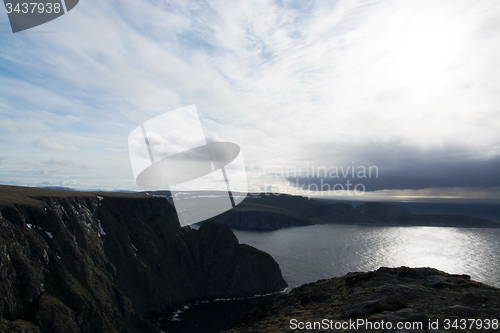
406	89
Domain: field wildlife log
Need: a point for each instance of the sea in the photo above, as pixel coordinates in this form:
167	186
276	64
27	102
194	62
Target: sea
311	253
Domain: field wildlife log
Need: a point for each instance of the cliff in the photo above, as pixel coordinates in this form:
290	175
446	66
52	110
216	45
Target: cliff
102	262
263	218
281	211
423	296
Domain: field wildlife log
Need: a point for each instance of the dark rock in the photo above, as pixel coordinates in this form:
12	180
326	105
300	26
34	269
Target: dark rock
358	279
18	326
473	298
401	294
419	272
455	278
54	316
369	284
434	281
369	307
392	300
460	310
407	315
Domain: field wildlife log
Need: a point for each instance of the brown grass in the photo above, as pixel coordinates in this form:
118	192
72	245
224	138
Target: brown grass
15	195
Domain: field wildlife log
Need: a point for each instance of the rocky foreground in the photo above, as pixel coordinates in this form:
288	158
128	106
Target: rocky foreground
437	301
103	262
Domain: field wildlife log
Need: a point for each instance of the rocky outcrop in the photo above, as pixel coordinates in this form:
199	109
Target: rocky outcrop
397	295
231	269
102	262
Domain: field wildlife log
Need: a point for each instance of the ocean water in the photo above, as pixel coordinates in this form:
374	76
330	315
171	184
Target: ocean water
307	254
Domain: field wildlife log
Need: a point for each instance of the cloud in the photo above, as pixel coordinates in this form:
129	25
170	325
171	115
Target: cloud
44	143
85	166
213	137
58	161
395	166
2	158
22	125
400	85
44	172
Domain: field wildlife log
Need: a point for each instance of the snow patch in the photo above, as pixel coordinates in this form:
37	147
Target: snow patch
101	230
100	198
159	195
207	196
49	234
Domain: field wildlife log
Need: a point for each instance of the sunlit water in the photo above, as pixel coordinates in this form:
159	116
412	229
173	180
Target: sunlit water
307	254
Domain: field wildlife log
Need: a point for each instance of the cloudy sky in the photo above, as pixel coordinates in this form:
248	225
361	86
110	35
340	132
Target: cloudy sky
410	87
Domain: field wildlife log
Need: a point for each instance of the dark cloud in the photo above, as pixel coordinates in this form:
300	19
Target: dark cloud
400	167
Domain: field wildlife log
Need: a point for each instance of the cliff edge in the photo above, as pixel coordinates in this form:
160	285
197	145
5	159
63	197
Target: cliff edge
102	262
419	299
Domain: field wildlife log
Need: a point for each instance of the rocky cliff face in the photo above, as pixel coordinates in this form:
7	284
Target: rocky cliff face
422	296
83	262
